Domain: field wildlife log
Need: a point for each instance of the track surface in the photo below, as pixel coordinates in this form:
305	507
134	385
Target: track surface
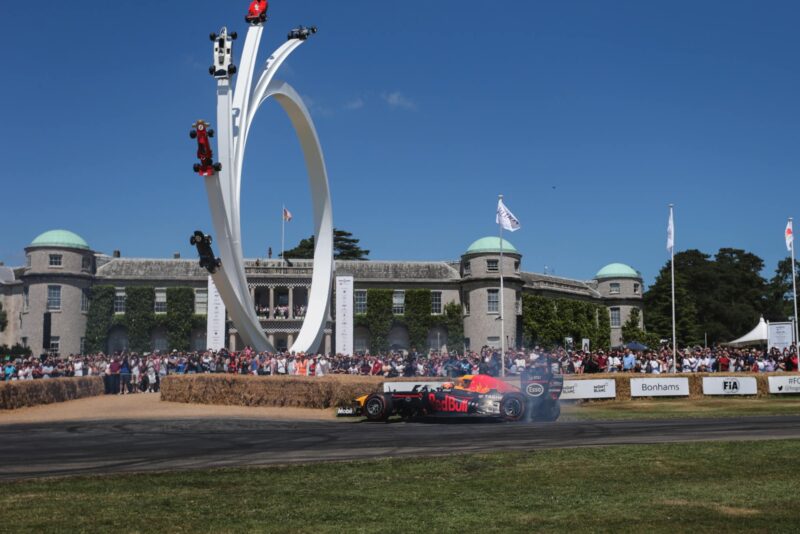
105	447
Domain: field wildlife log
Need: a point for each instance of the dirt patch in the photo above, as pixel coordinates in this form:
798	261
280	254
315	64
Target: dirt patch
150	406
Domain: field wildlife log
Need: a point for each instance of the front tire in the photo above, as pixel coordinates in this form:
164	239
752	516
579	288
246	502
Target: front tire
512	407
196	167
218	167
193	134
378	407
211	133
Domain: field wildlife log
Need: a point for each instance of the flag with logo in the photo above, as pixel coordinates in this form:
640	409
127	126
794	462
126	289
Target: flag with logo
505	218
789	235
670	232
287	215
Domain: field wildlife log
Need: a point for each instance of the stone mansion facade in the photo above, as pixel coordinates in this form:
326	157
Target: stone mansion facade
47	299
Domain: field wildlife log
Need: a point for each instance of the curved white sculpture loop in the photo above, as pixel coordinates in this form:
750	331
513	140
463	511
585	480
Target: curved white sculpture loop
235	113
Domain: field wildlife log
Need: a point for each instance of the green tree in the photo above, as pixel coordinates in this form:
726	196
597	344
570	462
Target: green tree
3	318
379	318
100	319
180	317
418	317
345	247
658	309
779	305
140	317
632	331
546	321
452	319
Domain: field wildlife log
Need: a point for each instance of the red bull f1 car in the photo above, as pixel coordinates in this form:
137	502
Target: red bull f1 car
470	395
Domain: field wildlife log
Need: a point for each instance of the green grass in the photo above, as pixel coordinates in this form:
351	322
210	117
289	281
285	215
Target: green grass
719	487
679	408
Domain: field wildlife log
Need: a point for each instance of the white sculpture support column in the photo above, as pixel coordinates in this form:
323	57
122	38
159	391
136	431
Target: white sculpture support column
235	114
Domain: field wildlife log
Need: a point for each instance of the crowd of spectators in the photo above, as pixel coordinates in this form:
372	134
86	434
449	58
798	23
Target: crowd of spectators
281	312
132	373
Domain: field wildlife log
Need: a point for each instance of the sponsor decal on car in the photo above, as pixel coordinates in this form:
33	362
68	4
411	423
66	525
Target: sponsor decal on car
448	404
534	390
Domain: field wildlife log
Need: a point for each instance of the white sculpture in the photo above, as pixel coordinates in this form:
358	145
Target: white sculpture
236	111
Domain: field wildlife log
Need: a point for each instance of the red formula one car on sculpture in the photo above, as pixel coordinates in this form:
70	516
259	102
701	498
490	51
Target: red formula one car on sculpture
203	133
257	14
470	395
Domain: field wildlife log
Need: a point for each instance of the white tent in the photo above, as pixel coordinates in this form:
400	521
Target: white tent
757	336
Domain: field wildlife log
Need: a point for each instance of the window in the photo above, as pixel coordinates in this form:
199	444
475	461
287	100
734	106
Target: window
200	301
86	263
360	300
615	318
436	302
492	266
636	289
493	305
28	261
26	299
119	300
614	288
55	345
399	302
519	304
53	298
161	301
25	342
465	299
466	343
467	267
85	301
56	260
516	266
493	341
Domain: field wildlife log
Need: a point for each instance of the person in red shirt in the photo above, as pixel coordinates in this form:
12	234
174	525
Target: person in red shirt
724	363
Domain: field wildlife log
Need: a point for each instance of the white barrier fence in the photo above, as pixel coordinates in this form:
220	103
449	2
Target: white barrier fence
782	385
730	385
589	389
659	387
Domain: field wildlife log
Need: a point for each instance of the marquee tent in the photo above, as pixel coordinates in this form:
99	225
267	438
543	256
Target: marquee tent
757	336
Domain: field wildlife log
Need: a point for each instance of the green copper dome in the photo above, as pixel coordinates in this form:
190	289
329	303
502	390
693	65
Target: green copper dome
490	244
617	270
60	238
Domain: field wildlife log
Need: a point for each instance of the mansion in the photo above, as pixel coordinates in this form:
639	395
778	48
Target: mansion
47	300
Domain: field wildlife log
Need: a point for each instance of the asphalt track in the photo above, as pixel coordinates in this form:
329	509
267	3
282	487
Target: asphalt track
107	447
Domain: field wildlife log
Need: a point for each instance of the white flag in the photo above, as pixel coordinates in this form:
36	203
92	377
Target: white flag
670	233
789	235
505	218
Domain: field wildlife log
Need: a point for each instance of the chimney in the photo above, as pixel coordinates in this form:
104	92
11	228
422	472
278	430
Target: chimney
176	256
116	254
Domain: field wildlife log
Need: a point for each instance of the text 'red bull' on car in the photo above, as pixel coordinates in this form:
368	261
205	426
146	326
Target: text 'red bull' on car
469	395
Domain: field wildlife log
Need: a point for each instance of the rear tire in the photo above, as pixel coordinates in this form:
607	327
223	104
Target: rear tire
211	133
512	407
193	134
231	69
378	407
213	36
192	241
218	167
196	167
234	36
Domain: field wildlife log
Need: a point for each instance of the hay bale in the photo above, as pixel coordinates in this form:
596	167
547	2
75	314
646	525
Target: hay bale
20	394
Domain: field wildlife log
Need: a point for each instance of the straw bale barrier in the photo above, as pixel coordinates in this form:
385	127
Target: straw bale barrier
695	382
289	391
19	394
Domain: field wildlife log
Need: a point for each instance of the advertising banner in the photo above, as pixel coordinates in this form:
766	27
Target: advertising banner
659	387
783	385
344	315
215	322
730	385
780	335
589	389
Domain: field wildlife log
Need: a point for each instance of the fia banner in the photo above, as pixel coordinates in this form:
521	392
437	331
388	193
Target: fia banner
780	335
730	385
784	385
344	315
215	321
659	387
589	389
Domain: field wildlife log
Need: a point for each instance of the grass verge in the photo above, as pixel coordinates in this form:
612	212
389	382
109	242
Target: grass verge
719	487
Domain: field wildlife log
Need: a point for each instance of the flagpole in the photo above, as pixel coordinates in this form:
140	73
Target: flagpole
502	309
283	233
672	265
794	292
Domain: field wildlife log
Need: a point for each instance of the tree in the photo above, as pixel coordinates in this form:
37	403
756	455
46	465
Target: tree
658	309
779	306
3	318
345	247
632	331
547	321
100	319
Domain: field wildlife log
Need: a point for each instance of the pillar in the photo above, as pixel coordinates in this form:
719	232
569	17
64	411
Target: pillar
328	348
291	302
289	341
271	314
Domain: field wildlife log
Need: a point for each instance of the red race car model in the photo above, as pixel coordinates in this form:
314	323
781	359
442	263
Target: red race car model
202	133
257	14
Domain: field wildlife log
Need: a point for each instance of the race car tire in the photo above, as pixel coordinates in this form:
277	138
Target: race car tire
196	167
192	241
211	132
512	407
218	167
378	407
193	134
231	69
549	412
213	36
212	70
234	36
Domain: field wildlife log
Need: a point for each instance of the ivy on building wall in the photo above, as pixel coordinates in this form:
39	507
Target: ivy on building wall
180	317
379	318
417	317
452	320
100	319
3	318
140	317
546	322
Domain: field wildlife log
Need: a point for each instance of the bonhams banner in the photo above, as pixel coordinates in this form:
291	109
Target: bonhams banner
215	323
782	385
659	387
344	315
730	385
589	389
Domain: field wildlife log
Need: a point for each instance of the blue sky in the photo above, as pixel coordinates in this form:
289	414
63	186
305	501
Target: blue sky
590	117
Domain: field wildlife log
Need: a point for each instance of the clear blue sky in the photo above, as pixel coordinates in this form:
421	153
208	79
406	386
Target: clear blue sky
590	117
